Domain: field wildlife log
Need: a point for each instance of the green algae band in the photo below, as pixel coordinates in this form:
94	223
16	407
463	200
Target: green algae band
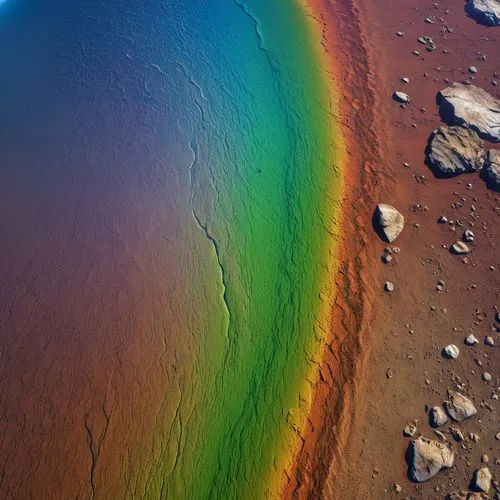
180	163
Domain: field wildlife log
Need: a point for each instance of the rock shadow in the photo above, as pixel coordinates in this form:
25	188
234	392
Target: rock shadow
378	228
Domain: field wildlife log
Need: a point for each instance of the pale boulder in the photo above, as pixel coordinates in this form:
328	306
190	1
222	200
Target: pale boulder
472	107
426	458
459	407
388	222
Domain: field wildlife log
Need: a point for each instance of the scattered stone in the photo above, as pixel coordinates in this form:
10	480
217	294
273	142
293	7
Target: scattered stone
459	407
451	351
459	248
472	107
427	457
388	222
428	20
484	11
471	340
457	434
437	416
472	69
467	495
468	236
453	151
400	33
401	97
489	341
485	459
497	436
410	429
442	220
491	170
482	480
388	286
487	377
405	79
397	488
386	258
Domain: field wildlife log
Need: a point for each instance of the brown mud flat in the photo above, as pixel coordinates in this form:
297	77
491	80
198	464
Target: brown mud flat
383	364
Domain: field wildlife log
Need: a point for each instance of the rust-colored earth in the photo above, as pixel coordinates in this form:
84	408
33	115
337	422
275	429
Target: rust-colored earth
383	364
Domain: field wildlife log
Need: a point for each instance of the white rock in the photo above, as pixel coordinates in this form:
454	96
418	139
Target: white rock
473	107
471	340
484	11
459	248
410	429
426	458
468	236
388	221
459	407
482	480
388	286
451	351
437	416
401	97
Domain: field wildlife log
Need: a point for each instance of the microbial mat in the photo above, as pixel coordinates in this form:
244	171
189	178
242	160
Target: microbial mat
169	196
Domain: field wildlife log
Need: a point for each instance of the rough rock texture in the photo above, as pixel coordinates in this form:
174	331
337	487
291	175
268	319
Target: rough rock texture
401	97
484	11
426	458
453	151
451	351
459	407
466	495
437	416
473	107
388	222
459	248
482	480
491	170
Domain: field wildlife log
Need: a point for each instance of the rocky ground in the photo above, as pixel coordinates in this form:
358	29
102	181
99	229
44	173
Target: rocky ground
431	364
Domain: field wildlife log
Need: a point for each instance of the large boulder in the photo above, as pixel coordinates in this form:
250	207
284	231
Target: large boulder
388	222
491	170
426	458
473	107
453	151
484	11
482	480
459	407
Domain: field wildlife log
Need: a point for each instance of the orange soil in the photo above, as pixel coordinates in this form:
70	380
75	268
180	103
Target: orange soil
353	444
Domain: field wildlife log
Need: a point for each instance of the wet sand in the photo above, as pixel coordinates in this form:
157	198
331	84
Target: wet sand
384	363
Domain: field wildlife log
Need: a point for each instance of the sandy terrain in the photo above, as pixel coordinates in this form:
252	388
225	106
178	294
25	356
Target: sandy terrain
354	447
